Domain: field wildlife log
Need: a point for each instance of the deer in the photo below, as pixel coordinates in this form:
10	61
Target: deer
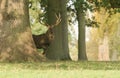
44	40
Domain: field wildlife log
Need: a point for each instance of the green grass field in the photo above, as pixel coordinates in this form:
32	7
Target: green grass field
64	69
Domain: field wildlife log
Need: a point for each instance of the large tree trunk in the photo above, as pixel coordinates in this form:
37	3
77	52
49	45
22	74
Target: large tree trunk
16	43
58	49
81	35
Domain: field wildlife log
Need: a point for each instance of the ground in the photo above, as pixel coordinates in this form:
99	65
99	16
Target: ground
64	69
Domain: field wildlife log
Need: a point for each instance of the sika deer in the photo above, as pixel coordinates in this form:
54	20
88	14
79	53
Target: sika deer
43	41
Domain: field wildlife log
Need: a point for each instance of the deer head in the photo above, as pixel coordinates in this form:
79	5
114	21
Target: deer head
50	32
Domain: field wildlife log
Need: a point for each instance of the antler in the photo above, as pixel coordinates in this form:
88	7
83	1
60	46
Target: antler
56	23
45	24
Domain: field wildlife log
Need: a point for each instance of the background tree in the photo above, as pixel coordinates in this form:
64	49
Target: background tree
16	38
114	27
108	27
79	12
92	49
80	9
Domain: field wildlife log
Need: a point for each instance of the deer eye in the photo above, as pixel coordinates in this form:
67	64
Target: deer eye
51	37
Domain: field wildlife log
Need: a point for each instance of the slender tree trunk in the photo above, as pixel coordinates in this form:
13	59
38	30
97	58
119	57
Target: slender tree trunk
58	49
81	35
16	43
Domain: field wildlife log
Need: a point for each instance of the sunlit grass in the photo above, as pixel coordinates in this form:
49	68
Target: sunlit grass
66	65
60	74
66	69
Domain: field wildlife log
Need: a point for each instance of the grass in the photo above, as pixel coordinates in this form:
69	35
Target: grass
64	69
60	74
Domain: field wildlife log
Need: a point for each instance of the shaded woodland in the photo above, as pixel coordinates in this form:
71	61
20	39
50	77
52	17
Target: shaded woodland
38	30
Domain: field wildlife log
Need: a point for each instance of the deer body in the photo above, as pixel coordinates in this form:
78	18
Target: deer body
43	40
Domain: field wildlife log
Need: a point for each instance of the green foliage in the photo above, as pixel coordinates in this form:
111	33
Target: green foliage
38	29
36	16
112	6
114	37
44	5
83	6
110	25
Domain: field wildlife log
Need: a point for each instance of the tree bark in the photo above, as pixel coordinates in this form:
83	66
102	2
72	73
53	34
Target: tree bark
81	35
58	49
16	43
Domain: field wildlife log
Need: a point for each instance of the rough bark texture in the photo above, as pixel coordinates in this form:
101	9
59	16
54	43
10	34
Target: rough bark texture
16	43
58	49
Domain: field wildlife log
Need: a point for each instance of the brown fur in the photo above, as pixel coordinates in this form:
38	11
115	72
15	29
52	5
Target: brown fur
43	41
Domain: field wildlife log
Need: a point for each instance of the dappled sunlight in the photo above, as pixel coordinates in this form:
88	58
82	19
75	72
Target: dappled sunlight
15	7
25	39
6	54
80	26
